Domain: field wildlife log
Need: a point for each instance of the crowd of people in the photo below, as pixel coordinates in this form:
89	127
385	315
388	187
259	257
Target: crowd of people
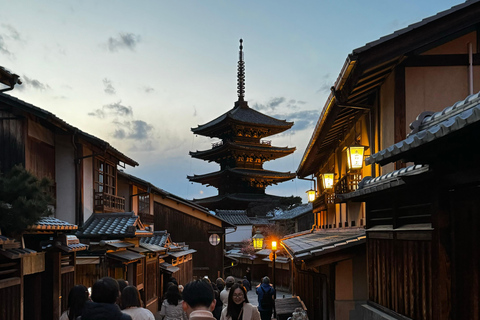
227	299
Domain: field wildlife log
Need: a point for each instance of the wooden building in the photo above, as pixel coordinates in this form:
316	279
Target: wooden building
241	153
37	274
294	220
380	90
422	220
186	221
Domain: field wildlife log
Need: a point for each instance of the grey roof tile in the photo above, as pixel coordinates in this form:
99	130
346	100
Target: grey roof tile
159	238
295	212
436	126
235	217
111	226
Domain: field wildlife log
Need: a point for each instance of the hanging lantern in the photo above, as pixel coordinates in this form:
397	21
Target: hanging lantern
327	180
257	240
311	195
355	157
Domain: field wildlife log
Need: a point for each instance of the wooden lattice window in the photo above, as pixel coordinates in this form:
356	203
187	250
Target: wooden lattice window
143	202
105	177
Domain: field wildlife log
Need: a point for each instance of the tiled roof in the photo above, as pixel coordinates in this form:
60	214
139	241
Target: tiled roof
278	259
125	255
258	173
392	179
111	226
181	253
235	217
238	199
52	224
72	247
159	238
168	267
242	113
323	241
256	221
228	146
295	212
152	247
433	127
17	252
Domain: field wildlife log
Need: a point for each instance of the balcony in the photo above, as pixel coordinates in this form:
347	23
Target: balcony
348	183
105	202
324	200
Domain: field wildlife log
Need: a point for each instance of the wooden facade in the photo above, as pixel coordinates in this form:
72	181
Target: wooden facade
195	232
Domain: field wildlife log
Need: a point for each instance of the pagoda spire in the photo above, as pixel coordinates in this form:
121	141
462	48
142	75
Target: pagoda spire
241	74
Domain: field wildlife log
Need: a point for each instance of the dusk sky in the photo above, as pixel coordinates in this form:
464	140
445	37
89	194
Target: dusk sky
140	74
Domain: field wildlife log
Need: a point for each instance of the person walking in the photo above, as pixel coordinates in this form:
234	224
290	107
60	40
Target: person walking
77	297
172	305
238	307
229	281
132	304
103	305
266	302
198	300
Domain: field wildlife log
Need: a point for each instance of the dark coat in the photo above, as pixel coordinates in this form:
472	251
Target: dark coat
103	311
268	290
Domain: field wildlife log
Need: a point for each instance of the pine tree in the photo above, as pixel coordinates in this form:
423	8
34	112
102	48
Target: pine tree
23	200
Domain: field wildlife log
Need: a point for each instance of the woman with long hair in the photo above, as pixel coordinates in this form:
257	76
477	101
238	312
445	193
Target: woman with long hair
172	305
77	297
238	307
132	304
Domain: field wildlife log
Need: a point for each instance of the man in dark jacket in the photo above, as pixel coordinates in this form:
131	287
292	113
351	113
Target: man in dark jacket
103	307
266	302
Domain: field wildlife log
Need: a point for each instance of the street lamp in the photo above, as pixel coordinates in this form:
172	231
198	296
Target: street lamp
257	240
274	251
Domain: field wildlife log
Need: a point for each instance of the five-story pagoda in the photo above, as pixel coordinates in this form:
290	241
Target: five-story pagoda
241	180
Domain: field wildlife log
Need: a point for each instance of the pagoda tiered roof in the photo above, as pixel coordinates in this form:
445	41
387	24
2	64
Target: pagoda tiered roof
236	200
268	177
226	149
242	114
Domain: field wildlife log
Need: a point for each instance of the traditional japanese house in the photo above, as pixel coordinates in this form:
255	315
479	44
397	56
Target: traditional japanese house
109	236
56	240
422	220
241	153
295	219
82	167
242	230
185	220
175	262
15	265
381	88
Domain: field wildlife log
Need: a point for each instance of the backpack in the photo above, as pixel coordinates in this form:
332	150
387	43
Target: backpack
267	300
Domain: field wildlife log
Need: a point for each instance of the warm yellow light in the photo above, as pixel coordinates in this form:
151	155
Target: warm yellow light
327	179
257	240
311	195
355	157
274	245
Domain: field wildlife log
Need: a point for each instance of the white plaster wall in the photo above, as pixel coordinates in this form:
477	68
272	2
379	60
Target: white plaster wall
243	232
87	184
65	178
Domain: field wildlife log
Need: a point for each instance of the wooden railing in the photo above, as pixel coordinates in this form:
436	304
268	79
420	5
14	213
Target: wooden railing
348	183
105	202
324	200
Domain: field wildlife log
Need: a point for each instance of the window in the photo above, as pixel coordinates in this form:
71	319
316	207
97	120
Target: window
143	202
105	177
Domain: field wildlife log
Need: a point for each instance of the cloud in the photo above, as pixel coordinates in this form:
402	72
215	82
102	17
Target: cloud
134	130
270	105
123	41
148	89
12	32
109	89
324	88
113	109
32	83
302	119
3	47
194	111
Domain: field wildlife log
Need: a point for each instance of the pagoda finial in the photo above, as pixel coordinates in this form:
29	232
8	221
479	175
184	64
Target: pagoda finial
241	74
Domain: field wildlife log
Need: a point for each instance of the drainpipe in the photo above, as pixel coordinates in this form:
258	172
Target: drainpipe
470	68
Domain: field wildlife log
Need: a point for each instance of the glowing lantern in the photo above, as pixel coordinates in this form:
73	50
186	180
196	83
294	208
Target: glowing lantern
257	240
327	180
355	157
